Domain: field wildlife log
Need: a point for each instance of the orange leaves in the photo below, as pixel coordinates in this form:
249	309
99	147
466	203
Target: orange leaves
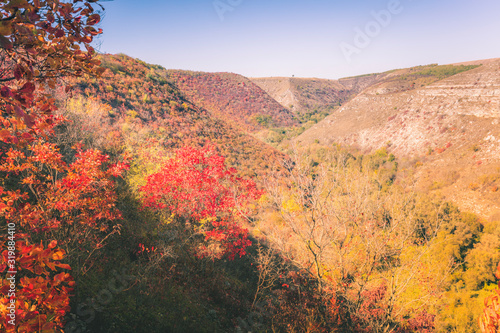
36	258
92	32
489	320
43	41
52	244
43	296
93	19
87	39
4	134
46	154
46	194
79	193
58	255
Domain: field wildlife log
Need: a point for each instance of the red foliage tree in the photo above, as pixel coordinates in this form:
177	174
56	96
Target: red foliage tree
48	199
41	196
197	186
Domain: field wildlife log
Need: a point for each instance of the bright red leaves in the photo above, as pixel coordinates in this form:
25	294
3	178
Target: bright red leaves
43	300
72	202
197	186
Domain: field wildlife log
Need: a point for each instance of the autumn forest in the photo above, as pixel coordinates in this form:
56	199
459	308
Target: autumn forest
135	198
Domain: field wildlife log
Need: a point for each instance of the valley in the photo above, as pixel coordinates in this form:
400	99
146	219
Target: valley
419	145
139	198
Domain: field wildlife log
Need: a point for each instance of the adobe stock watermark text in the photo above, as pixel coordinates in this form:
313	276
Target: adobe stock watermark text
363	36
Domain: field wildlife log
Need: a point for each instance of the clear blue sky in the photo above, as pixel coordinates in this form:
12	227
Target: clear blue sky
305	38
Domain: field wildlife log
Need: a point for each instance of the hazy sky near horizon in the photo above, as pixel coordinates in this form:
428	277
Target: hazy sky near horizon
306	38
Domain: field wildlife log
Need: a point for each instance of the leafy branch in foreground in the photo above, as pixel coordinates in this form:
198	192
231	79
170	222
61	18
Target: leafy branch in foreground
58	205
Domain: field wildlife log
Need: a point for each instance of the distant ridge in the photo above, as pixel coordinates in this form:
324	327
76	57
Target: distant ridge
302	95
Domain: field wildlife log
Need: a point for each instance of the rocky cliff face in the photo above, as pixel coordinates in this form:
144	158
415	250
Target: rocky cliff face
451	125
457	108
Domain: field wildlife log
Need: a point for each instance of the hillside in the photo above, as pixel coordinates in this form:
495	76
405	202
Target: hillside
446	116
233	98
140	106
307	97
137	199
